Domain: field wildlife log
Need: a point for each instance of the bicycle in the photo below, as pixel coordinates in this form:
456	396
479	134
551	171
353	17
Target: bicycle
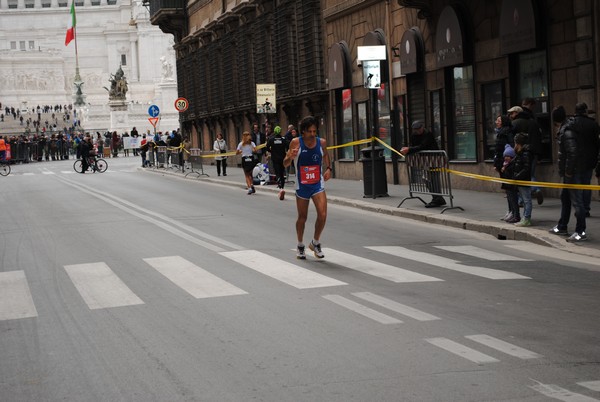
4	168
94	164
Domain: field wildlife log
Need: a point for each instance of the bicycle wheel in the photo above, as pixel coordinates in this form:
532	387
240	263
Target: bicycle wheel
4	169
78	166
101	165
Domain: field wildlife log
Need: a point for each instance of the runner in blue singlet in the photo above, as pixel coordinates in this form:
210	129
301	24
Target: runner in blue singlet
313	168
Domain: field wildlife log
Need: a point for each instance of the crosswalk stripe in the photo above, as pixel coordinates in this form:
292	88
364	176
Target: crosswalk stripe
395	306
283	271
196	281
47	172
461	350
562	394
504	347
100	287
362	310
481	253
593	385
447	263
15	297
374	268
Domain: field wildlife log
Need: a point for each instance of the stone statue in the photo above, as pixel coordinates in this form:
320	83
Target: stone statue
167	69
118	85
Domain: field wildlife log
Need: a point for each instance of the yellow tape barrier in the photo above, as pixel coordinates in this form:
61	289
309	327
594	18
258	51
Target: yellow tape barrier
451	171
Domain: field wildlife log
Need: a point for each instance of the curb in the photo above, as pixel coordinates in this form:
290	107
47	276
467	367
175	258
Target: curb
501	232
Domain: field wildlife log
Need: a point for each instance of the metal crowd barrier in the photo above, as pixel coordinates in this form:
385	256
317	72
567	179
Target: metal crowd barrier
175	159
428	174
161	156
195	161
150	156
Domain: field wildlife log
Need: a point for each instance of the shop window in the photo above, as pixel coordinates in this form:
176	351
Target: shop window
437	123
462	130
346	132
363	121
531	71
492	97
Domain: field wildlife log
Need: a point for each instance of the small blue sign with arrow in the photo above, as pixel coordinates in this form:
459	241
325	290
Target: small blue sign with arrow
153	111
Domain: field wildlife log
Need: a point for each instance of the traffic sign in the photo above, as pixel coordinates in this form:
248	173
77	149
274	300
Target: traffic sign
153	121
153	111
181	104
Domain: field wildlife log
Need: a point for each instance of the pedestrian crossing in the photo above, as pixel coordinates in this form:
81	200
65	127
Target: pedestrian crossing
100	287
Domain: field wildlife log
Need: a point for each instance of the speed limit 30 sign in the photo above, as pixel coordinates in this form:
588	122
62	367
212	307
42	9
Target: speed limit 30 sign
181	104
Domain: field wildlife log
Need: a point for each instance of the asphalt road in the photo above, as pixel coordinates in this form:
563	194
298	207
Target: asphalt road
130	286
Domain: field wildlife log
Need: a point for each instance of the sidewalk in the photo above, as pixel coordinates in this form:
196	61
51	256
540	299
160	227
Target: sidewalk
482	210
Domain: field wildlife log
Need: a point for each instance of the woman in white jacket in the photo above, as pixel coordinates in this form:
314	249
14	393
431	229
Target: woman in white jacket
220	147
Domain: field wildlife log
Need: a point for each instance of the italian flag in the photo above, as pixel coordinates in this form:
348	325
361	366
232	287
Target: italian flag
71	28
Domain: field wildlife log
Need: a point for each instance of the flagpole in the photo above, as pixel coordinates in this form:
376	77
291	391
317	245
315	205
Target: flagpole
77	77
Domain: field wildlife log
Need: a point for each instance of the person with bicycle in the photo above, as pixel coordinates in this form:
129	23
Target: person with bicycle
86	146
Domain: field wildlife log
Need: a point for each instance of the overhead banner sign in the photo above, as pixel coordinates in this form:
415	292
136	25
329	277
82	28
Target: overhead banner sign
265	98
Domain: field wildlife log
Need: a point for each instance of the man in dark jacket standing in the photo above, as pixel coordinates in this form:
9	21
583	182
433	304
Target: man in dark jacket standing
587	140
423	140
578	154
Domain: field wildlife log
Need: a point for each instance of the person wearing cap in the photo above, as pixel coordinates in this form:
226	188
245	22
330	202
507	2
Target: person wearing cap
522	171
507	172
423	140
525	122
277	147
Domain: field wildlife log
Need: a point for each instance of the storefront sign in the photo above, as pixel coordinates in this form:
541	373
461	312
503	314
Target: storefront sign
411	51
449	39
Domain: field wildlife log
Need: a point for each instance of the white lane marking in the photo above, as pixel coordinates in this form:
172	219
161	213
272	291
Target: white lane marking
362	310
47	172
196	281
504	347
461	350
28	174
562	394
283	271
375	268
157	219
100	287
481	253
447	263
67	171
593	385
395	306
15	297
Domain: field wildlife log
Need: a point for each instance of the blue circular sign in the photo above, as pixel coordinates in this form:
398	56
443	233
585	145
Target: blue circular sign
153	111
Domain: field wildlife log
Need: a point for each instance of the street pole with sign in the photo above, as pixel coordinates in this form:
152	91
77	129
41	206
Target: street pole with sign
370	57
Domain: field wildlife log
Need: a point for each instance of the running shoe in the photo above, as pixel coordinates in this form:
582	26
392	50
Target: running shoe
523	223
316	248
300	254
577	237
558	231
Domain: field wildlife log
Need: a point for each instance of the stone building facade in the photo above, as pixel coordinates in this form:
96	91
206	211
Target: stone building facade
455	64
36	68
